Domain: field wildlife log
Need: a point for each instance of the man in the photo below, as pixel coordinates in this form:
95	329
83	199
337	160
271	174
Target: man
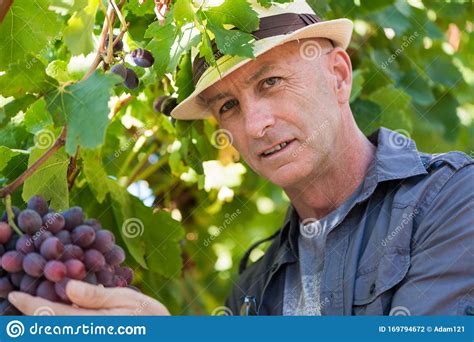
374	227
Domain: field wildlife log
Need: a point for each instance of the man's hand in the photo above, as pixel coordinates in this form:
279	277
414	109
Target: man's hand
92	300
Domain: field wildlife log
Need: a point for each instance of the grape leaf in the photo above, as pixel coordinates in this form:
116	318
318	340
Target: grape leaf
27	29
184	78
357	82
78	34
95	173
22	78
161	236
231	42
50	180
37	117
161	45
234	12
5	155
183	12
58	70
85	107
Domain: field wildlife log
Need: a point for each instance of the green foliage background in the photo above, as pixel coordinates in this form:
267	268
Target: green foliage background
199	207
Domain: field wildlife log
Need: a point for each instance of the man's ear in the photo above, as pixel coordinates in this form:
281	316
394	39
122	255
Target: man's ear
340	67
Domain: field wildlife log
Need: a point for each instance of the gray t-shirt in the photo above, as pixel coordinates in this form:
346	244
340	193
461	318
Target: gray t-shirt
303	279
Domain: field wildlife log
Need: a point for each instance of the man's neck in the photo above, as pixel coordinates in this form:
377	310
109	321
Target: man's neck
330	188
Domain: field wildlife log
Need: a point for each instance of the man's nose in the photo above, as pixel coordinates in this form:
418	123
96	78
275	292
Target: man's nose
259	116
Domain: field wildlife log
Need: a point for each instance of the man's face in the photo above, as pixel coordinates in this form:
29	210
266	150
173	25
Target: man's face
281	97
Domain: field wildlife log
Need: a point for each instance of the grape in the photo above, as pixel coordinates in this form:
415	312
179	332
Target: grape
38	238
55	248
54	222
64	236
142	58
94	260
55	270
158	102
105	275
38	204
119	69
16	278
12	261
83	235
16	212
46	290
115	256
51	248
60	288
124	272
91	278
131	80
118	46
104	241
74	217
75	269
94	224
33	264
119	282
24	244
5	232
5	287
72	252
168	105
29	284
11	245
29	221
7	309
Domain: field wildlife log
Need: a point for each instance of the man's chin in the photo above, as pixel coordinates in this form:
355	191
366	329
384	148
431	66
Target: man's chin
288	177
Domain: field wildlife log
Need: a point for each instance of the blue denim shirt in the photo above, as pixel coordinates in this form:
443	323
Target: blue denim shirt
404	247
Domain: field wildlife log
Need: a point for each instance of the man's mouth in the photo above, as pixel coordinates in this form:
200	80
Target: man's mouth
276	149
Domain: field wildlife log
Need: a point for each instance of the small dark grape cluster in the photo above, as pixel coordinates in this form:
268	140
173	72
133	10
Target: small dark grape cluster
141	57
54	248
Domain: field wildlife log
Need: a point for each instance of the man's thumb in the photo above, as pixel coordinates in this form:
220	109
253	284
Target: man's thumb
92	296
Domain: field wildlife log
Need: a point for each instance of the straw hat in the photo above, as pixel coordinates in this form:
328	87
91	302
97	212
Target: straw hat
278	25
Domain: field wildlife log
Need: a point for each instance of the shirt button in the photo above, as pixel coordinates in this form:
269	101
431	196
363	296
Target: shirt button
372	289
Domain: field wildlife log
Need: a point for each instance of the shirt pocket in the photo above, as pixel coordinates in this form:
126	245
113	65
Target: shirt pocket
374	287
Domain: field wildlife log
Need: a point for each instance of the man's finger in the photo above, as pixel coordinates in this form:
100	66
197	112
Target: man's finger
37	306
97	297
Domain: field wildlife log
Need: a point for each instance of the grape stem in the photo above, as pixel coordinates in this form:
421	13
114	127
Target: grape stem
10	188
11	215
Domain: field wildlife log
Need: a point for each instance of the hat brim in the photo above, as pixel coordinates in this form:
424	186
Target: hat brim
337	30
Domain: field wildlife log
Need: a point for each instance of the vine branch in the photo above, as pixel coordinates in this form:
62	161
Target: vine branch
10	188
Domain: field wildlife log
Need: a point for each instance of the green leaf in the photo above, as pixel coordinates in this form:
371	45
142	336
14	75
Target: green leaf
357	82
417	87
234	12
95	173
441	70
161	45
162	235
231	42
13	107
58	70
50	180
393	103
5	155
183	12
23	78
184	78
123	211
85	107
78	34
268	3
26	29
37	117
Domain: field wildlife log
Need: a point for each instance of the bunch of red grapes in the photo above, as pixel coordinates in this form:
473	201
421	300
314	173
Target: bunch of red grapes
54	248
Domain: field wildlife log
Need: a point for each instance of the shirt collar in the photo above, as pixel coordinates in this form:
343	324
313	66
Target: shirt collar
396	157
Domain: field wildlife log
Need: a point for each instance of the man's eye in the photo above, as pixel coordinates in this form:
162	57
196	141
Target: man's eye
270	82
228	105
